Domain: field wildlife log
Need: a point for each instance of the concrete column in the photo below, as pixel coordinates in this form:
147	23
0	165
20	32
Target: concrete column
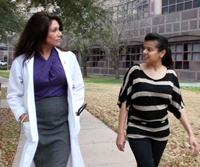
157	7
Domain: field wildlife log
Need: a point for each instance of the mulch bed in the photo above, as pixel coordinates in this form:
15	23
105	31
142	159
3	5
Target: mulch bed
9	135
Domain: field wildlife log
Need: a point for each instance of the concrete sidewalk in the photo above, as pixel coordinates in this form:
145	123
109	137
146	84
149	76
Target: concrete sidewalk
97	142
195	84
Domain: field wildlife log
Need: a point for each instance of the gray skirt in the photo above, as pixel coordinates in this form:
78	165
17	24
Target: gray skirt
54	141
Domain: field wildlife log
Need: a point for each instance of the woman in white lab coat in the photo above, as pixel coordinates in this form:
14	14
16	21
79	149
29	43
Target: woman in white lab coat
45	91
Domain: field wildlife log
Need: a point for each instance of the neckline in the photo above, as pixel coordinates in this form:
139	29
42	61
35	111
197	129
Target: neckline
50	56
42	58
159	79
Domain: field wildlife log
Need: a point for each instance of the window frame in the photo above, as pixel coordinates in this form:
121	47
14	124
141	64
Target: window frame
186	53
167	6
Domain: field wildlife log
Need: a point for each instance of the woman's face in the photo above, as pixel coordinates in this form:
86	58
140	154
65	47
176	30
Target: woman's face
151	54
54	35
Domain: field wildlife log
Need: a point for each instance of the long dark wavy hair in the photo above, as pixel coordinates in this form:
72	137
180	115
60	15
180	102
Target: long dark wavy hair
162	45
34	34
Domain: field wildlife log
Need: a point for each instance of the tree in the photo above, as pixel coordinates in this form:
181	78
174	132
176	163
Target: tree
83	42
78	15
82	19
81	45
84	25
117	38
11	20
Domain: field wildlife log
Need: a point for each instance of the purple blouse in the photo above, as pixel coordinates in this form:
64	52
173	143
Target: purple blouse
49	76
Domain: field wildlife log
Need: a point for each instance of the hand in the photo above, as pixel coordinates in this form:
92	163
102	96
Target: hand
24	117
120	142
194	145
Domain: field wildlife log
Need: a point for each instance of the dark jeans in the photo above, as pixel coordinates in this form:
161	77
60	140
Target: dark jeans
147	152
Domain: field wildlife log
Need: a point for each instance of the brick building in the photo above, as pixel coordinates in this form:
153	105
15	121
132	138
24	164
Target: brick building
178	20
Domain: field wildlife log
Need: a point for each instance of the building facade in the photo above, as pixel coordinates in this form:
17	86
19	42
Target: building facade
177	20
3	52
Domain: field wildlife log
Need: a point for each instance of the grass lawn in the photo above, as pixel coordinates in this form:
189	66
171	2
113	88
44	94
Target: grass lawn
102	80
4	73
194	89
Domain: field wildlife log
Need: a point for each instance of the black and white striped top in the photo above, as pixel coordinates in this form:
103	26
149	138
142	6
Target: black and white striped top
148	101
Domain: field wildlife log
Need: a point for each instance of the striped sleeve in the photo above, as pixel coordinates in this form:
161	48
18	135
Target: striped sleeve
126	88
177	102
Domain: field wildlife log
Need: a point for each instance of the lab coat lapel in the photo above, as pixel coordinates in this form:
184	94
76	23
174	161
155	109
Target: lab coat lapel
65	62
31	99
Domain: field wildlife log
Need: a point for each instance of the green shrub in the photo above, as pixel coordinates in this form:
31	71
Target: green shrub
3	67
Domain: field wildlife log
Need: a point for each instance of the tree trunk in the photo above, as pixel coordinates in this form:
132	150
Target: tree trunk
84	63
85	71
116	67
117	73
116	61
84	55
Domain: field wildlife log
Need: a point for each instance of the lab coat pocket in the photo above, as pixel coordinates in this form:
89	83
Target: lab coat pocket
27	131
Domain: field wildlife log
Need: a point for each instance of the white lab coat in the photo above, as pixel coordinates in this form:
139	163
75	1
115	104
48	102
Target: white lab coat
21	99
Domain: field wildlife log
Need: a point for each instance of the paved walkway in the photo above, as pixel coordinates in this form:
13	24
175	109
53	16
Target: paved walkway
195	84
97	143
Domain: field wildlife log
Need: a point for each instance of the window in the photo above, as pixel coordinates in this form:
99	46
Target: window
130	54
136	9
120	11
152	8
143	9
179	1
130	8
96	58
196	47
196	3
172	1
170	6
196	56
182	53
165	10
188	5
180	7
164	2
179	48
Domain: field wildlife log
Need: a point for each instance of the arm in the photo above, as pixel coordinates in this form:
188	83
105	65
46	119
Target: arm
122	103
121	140
177	108
15	91
192	140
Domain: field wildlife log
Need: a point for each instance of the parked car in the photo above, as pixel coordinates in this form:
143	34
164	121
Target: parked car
3	63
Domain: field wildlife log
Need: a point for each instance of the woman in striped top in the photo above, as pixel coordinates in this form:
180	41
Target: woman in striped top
149	90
